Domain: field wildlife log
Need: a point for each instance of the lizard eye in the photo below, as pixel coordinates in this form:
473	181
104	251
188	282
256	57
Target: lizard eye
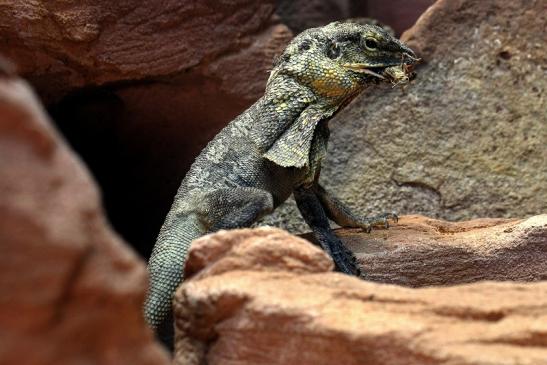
371	44
305	45
333	51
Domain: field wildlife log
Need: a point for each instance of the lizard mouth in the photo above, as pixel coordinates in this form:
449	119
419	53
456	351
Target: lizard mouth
375	72
396	74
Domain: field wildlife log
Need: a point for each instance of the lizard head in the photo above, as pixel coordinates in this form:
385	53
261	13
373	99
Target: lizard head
339	59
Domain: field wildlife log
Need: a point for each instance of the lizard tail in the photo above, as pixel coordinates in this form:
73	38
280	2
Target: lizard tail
166	266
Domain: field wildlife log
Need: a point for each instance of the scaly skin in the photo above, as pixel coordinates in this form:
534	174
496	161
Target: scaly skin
274	149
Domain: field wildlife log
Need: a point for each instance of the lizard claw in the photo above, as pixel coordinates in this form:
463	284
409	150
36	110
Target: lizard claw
366	227
386	216
381	220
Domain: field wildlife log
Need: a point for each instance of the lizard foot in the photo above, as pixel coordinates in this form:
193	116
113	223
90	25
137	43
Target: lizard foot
381	220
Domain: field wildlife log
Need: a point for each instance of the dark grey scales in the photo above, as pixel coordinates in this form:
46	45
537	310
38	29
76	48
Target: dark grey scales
274	149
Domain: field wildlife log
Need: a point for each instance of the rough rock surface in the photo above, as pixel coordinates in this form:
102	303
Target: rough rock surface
70	290
420	251
61	45
139	88
299	15
245	303
397	14
467	138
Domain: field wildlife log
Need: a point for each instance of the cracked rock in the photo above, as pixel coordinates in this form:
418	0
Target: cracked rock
244	303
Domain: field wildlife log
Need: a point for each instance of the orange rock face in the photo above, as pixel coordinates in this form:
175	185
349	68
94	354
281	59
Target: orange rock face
70	290
264	297
420	251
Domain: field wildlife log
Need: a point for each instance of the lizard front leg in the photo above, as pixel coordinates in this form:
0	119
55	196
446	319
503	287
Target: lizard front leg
342	215
311	209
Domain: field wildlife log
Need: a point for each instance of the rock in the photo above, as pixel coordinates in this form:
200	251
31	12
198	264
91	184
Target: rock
398	14
420	251
68	45
467	138
7	68
299	15
70	290
263	248
152	81
289	309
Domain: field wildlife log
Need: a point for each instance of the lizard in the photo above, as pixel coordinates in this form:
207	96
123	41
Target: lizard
274	149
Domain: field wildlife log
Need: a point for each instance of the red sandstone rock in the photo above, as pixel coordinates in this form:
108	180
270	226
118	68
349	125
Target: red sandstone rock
261	249
282	306
62	45
398	14
303	14
70	290
421	251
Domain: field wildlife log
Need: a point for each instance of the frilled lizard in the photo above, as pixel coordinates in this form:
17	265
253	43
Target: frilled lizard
275	149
